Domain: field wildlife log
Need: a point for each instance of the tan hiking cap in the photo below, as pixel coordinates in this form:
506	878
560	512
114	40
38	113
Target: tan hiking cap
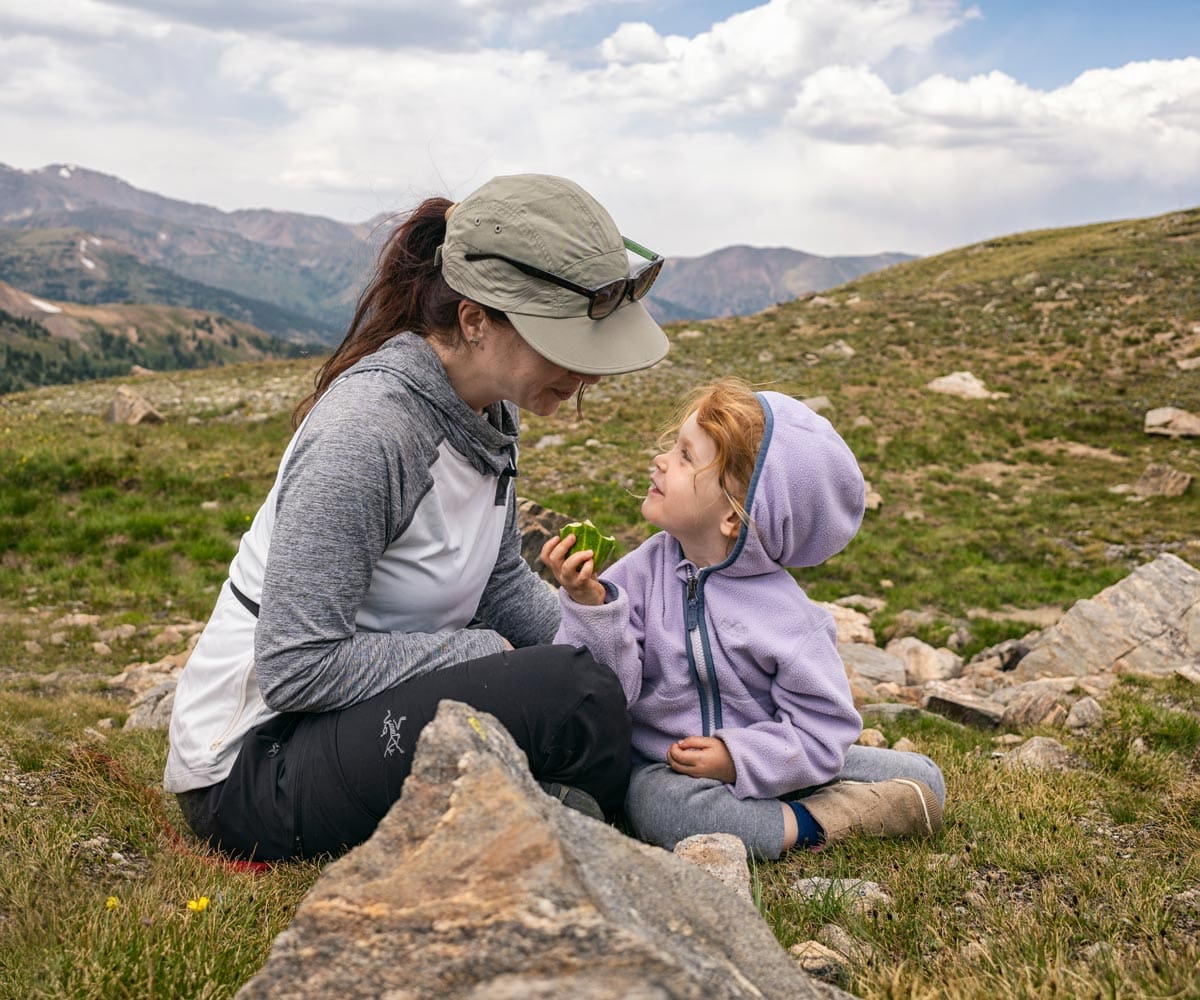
549	224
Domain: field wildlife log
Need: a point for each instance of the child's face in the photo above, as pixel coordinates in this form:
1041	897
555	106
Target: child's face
686	499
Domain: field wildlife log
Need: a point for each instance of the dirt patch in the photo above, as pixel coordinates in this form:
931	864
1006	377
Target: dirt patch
1043	616
1077	450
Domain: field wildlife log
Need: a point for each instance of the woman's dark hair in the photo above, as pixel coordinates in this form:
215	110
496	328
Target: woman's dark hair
406	292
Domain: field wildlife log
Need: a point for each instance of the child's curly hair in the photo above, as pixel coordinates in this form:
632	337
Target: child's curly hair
729	412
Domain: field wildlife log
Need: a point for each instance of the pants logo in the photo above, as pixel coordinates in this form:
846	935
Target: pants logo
391	729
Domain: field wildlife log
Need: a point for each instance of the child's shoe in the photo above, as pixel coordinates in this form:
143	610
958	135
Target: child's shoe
898	807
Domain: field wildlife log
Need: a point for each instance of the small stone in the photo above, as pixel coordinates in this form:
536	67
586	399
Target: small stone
821	963
974	951
852	625
170	636
957	704
870	604
862	896
1189	674
1172	422
129	407
845	944
889	712
1160	480
77	620
861	659
963	384
922	662
1031	706
723	856
871	738
1085	714
1041	754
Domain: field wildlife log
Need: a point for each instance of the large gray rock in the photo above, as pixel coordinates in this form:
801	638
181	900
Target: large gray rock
476	884
1148	623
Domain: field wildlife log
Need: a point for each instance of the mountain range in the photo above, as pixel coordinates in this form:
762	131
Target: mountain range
69	235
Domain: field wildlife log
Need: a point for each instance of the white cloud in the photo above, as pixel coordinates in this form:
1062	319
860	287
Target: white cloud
765	52
637	42
783	124
66	17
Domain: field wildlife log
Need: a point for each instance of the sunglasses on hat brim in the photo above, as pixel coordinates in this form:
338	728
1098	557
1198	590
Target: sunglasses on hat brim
602	301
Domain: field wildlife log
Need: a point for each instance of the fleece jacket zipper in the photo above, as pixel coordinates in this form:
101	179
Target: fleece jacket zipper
700	656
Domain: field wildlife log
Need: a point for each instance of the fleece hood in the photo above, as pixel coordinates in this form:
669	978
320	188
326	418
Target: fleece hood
806	496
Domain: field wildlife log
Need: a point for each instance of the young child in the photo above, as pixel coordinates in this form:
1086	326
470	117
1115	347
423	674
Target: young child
743	721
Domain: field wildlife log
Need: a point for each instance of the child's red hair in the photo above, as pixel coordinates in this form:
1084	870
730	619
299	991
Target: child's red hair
729	412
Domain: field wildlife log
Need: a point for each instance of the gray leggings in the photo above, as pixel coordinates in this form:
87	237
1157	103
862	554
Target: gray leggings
664	806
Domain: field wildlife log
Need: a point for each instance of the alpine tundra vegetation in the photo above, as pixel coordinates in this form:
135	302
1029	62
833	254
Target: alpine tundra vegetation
994	509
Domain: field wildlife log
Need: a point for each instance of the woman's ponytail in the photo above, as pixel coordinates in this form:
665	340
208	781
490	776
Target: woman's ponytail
406	292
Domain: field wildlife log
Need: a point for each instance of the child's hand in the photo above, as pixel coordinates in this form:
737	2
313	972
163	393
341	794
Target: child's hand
702	757
573	572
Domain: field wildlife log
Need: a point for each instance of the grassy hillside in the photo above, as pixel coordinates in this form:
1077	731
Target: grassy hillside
318	280
75	266
110	537
58	343
986	503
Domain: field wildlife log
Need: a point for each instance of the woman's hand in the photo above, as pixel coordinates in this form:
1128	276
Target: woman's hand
574	572
702	757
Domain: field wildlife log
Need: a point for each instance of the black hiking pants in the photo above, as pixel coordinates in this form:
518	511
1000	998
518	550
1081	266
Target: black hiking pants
309	784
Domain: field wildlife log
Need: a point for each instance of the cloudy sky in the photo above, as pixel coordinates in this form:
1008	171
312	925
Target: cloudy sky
831	126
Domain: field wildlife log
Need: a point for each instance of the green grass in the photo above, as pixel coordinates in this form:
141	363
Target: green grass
1039	885
95	894
1031	875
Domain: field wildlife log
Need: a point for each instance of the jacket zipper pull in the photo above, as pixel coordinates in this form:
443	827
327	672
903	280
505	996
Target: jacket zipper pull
502	483
693	585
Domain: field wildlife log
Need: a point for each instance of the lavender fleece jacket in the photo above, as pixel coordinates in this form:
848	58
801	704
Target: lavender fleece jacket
737	650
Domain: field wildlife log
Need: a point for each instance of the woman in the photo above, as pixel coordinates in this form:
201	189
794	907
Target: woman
383	573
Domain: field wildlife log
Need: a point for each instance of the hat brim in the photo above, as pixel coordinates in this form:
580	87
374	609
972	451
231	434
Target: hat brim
627	340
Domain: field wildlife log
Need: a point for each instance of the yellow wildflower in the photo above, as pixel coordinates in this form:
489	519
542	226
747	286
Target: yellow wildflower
198	905
112	902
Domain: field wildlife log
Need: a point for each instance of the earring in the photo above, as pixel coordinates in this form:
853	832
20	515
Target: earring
473	343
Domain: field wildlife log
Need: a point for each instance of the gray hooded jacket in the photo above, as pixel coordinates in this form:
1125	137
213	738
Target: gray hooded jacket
390	529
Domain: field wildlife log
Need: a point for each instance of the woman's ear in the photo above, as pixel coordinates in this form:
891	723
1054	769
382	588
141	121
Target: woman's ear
472	321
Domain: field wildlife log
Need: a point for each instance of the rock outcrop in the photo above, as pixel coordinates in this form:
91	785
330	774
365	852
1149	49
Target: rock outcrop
1147	623
129	407
476	884
1170	421
963	384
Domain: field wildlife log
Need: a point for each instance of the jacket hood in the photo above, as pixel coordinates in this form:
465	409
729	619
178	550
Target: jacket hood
806	496
487	441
